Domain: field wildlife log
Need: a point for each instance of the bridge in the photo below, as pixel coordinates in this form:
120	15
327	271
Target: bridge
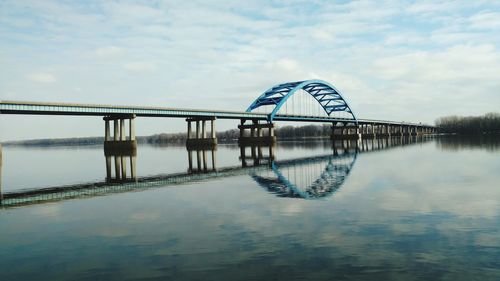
312	177
302	101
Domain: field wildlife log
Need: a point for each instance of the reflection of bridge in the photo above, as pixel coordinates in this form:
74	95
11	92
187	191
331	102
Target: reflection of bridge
289	178
307	178
303	101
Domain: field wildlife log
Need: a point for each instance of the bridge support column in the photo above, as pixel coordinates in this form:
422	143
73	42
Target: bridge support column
413	130
372	133
346	131
362	129
383	131
116	126
200	139
256	135
120	142
107	130
1	194
122	130
131	125
406	130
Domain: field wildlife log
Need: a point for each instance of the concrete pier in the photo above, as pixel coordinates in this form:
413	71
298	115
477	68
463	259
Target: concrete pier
120	141
1	194
199	139
342	131
256	134
345	131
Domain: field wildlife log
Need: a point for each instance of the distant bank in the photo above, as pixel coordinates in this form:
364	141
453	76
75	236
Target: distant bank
229	136
470	125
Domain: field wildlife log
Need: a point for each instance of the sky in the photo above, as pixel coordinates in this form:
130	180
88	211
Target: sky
408	61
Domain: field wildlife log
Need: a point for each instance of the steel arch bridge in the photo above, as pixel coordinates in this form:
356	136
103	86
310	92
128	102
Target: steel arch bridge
328	97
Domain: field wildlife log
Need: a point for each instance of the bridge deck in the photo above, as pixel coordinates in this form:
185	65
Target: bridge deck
43	108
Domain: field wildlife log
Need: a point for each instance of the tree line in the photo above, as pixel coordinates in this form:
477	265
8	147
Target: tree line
485	124
228	136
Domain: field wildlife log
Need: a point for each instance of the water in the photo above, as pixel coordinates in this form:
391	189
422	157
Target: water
426	210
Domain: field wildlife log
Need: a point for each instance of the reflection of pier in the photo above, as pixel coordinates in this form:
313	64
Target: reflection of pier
257	155
320	176
202	156
120	173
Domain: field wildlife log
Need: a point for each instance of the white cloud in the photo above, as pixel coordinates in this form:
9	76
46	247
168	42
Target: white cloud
140	66
109	51
485	20
42	77
372	51
459	63
322	35
287	64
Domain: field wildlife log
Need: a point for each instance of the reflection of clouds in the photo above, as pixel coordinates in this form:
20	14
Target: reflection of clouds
463	184
466	200
145	216
113	231
293	208
391	199
487	240
410	228
433	258
47	210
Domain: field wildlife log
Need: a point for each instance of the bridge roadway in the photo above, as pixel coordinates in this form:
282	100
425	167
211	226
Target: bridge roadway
50	194
45	108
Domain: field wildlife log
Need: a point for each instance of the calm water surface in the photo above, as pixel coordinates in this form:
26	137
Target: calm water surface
425	210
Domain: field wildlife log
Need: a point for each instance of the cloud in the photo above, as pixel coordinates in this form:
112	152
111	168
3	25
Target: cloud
109	51
287	64
404	52
485	20
140	66
453	64
42	77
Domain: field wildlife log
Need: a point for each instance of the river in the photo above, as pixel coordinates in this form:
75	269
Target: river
398	209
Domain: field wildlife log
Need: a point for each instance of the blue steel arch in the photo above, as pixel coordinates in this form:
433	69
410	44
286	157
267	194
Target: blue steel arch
326	94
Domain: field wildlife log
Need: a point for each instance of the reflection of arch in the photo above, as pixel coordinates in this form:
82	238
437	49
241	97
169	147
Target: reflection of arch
327	96
334	171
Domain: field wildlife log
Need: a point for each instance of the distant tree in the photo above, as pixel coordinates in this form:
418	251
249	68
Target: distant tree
487	124
285	132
